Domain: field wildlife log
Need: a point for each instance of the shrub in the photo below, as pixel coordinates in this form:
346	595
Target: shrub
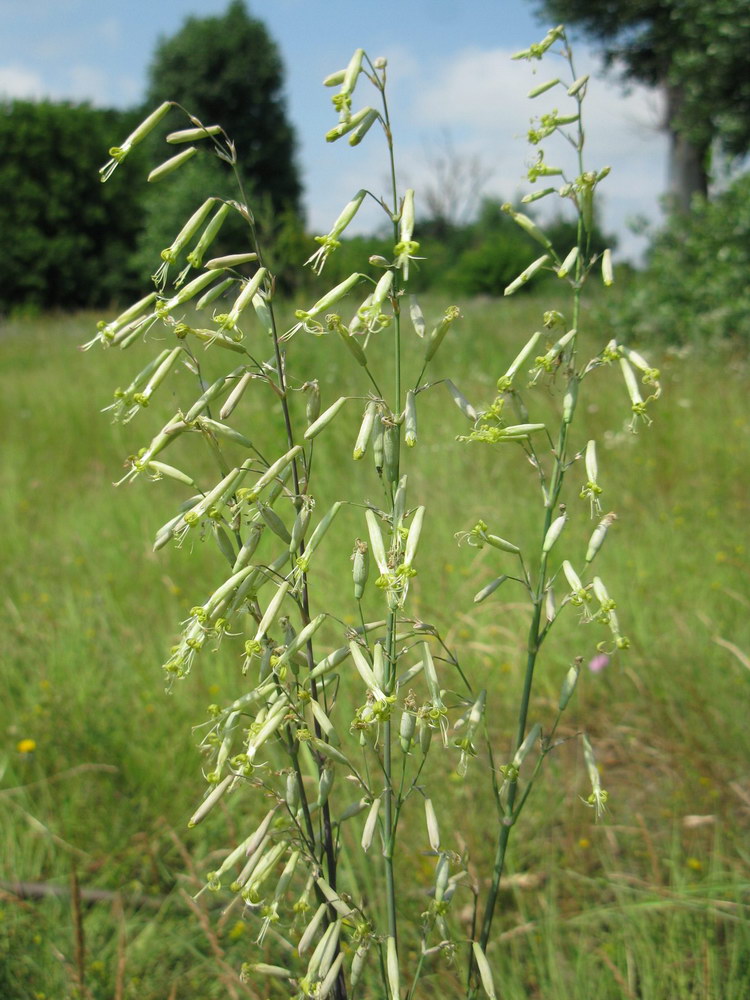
695	286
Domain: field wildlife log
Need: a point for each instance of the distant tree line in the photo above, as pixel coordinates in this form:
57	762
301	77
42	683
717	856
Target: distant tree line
72	242
68	239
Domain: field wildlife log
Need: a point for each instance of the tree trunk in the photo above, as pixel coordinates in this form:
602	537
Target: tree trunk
688	161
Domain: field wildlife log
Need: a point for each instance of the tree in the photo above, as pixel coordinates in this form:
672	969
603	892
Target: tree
698	53
453	192
66	235
227	70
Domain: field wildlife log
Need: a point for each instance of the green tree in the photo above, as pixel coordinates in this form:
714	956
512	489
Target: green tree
698	53
227	70
695	288
66	237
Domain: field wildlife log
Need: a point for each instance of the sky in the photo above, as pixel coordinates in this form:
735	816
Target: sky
451	83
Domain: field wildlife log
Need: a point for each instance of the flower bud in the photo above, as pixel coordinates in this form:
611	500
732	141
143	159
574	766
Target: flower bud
118	153
488	589
188	231
370	824
315	539
312	928
172	164
460	400
598	535
577	85
193	134
529	226
364	127
412	539
523	751
568	687
365	430
407	729
526	275
349	124
553	533
437	336
406	222
567	265
334	79
324	419
378	445
360	568
542	88
391	450
352	71
195	257
433	830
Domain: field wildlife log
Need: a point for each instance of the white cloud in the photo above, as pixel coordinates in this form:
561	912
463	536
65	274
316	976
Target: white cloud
87	83
109	31
17	82
480	97
477	88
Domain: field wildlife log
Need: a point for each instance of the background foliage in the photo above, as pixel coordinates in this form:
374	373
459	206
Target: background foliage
68	239
75	242
695	285
697	53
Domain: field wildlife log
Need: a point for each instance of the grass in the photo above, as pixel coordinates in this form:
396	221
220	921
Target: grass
650	903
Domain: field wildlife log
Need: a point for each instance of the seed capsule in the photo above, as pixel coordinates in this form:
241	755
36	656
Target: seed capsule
370	824
406	730
410	420
360	568
324	419
378	445
433	830
365	430
391	449
568	687
568	263
172	164
526	275
554	532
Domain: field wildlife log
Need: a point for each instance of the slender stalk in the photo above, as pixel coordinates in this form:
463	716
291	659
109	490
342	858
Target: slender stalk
328	843
390	820
536	633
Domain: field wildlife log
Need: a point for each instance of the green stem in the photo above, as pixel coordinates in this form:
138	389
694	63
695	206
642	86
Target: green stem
533	645
389	825
329	847
390	817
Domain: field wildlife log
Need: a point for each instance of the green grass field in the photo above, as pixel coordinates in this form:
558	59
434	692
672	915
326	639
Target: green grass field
652	903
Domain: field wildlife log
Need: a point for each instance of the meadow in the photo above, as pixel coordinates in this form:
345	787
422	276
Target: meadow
99	770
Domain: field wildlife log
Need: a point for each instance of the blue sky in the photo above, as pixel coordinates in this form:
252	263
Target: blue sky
449	69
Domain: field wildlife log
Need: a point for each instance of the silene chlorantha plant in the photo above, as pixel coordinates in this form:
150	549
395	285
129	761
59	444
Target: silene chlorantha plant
338	733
